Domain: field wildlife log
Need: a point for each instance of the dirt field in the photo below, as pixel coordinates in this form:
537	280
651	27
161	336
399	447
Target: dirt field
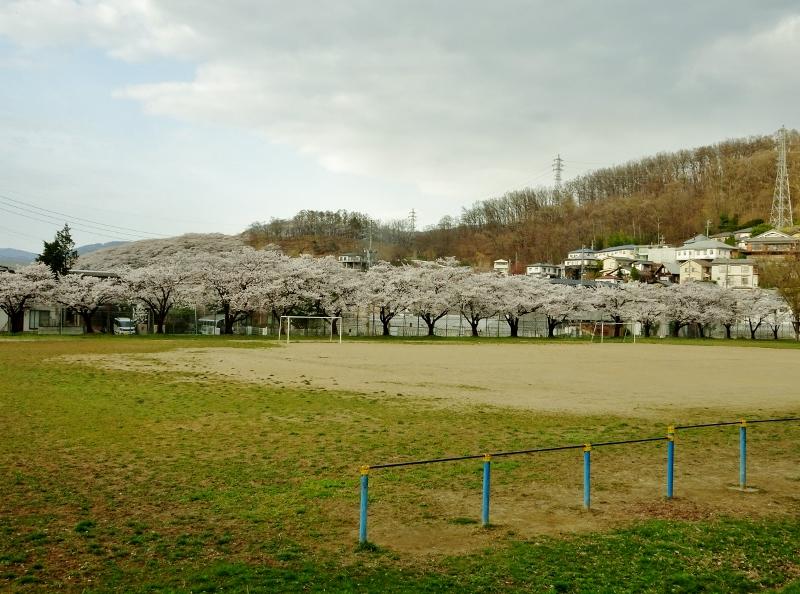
672	382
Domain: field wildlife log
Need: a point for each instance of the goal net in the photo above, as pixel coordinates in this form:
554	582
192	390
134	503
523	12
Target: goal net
285	325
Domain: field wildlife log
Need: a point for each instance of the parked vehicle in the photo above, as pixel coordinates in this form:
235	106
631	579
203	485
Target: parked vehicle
124	326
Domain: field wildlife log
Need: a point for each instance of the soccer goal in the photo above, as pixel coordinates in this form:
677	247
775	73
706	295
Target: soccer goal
288	325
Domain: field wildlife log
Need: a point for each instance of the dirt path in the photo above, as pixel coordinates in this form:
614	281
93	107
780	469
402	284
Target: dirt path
631	380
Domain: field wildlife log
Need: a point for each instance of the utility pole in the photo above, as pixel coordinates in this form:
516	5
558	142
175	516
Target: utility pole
781	215
558	168
708	225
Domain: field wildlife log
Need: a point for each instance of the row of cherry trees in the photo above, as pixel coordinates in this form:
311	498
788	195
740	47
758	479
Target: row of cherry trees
241	282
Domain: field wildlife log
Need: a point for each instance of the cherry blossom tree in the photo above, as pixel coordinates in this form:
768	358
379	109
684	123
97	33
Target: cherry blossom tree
560	302
85	294
18	289
691	303
337	288
611	301
432	289
646	305
477	298
519	295
160	286
779	313
288	285
225	281
754	307
386	288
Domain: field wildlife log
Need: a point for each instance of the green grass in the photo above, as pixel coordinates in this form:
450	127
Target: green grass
133	482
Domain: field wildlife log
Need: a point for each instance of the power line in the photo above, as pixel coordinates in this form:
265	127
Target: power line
71	217
75	227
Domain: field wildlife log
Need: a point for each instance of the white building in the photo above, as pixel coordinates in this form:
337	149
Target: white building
708	249
658	253
735	274
619	251
501	266
543	270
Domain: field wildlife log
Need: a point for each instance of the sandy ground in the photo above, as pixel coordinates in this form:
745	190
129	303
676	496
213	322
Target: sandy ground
669	381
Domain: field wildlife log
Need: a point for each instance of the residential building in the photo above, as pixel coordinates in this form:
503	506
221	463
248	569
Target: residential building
354	261
578	261
501	266
706	249
544	270
695	270
770	243
735	274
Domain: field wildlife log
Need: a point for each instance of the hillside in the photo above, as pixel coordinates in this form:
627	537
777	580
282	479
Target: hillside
139	253
671	195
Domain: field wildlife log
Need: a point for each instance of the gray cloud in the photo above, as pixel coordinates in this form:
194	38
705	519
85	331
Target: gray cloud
462	98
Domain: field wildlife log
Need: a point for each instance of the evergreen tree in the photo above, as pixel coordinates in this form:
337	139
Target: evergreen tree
60	254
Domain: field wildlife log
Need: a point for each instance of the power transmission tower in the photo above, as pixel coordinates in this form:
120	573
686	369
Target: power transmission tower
412	219
781	215
558	167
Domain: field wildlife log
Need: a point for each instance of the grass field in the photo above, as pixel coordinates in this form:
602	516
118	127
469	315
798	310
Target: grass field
205	464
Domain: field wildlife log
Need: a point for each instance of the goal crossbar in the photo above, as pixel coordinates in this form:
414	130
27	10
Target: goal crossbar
289	325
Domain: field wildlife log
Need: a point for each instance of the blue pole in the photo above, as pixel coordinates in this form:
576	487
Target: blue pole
487	480
587	475
742	454
670	460
362	526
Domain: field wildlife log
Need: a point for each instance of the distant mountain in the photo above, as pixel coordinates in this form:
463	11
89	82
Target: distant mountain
11	256
93	247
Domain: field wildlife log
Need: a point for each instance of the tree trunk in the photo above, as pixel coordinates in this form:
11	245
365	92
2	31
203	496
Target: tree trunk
474	325
229	319
700	330
87	321
775	332
430	322
552	324
753	329
617	326
385	319
513	324
647	327
160	317
17	320
727	331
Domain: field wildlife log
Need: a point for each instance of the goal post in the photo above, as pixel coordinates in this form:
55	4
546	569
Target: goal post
289	325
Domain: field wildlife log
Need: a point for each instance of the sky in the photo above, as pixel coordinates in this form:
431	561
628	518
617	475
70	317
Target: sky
132	119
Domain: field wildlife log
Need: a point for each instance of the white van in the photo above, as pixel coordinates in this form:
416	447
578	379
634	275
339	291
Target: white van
124	326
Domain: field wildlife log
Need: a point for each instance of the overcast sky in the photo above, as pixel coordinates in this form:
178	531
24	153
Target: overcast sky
173	116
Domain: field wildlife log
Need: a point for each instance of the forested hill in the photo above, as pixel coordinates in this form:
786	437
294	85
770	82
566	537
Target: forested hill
670	194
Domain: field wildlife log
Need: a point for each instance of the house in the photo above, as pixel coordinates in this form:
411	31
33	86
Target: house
770	243
667	273
619	251
658	253
578	260
695	270
735	274
544	270
354	261
501	266
614	263
705	249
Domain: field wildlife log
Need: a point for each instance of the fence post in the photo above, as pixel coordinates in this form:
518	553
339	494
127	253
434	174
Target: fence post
487	479
670	459
742	454
587	475
362	526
